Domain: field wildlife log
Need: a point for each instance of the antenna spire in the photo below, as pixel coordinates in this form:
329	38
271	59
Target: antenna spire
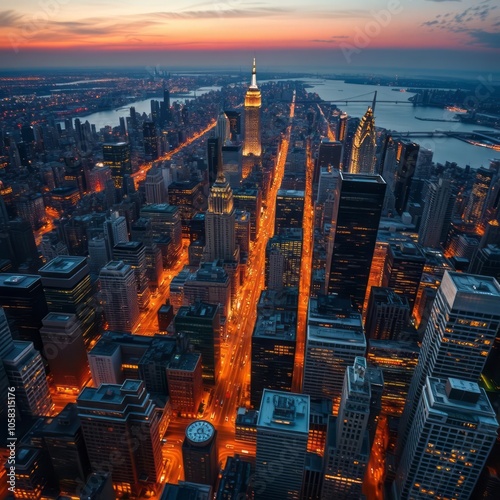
374	101
253	85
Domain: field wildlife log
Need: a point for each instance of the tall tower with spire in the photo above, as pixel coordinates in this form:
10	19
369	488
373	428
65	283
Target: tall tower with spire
253	101
220	221
364	144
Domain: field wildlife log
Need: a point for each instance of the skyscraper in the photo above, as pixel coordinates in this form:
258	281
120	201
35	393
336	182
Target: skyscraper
477	200
334	338
68	289
437	214
156	192
461	330
199	453
347	449
282	433
289	209
151	150
121	431
118	288
406	161
363	147
117	157
223	132
454	430
358	206
252	141
220	222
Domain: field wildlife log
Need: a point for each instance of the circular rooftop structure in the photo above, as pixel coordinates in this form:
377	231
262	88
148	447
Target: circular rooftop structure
200	432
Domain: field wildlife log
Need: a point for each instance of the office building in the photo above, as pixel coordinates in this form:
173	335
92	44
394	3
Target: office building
403	270
461	330
347	449
98	487
156	191
282	432
436	217
151	147
273	344
406	161
117	157
358	206
185	383
98	254
235	480
165	223
133	253
283	259
199	453
476	203
250	200
64	349
23	301
329	156
232	164
214	157
388	314
222	128
200	322
33	475
119	295
486	262
220	222
252	140
363	158
121	421
289	209
453	433
234	117
115	230
25	371
397	359
63	439
68	289
334	338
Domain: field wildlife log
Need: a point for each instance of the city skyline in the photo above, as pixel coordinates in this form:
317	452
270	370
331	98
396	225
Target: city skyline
420	35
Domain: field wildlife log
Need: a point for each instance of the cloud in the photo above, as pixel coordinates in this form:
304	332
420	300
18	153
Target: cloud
485	38
9	18
332	39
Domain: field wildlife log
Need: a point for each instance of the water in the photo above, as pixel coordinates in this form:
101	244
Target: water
111	117
401	117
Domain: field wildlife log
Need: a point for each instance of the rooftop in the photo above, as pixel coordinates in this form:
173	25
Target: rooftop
280	325
475	284
63	264
285	411
18	280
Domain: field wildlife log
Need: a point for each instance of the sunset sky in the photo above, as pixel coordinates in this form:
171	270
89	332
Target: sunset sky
287	35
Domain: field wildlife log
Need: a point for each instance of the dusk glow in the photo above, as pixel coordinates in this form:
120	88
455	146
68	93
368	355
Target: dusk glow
452	34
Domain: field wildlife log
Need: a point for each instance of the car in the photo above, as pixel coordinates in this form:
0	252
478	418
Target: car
222	402
226	419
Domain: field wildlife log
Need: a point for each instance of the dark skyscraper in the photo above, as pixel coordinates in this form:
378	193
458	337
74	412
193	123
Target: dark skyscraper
406	161
289	209
117	157
358	206
150	141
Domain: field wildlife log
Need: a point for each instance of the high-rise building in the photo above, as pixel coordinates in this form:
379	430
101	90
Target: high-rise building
156	191
222	129
64	349
282	432
453	433
214	157
334	338
406	161
115	231
283	259
461	330
185	383
252	141
232	162
220	222
121	431
24	304
200	322
363	158
358	206
98	486
133	253
437	214
273	343
329	155
63	438
235	480
117	157
397	359
477	201
25	371
151	149
68	289
250	200
347	448
403	269
118	289
388	314
289	209
98	254
234	117
199	453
